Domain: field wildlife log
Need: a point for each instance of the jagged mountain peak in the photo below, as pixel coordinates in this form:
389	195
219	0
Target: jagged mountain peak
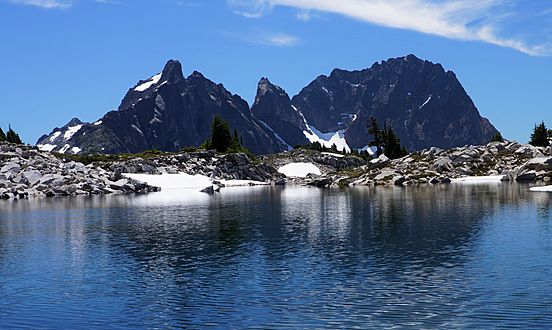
273	108
73	122
166	112
265	86
172	72
426	106
197	75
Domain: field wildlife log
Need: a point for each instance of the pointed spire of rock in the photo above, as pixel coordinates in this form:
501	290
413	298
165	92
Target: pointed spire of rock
172	72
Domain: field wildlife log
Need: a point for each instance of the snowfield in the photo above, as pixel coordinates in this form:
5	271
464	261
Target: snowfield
71	131
183	181
151	81
482	179
327	139
333	154
299	170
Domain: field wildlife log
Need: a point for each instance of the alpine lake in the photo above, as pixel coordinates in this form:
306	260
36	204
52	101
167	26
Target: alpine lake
444	256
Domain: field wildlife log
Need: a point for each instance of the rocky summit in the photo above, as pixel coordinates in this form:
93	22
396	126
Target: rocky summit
424	104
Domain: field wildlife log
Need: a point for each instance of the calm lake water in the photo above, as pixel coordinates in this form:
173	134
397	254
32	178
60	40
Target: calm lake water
264	257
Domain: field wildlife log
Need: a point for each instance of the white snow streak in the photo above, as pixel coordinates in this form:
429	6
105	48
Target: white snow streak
64	149
55	136
151	81
71	131
426	102
333	154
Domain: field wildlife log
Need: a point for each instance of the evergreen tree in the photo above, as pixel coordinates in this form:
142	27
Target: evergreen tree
13	137
497	137
2	135
386	141
220	135
392	144
222	140
235	143
373	128
539	137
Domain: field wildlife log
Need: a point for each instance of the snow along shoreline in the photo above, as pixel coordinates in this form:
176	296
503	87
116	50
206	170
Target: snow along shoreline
482	179
183	181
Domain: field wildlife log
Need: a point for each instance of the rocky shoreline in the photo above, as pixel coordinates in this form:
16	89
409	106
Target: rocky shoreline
27	172
509	160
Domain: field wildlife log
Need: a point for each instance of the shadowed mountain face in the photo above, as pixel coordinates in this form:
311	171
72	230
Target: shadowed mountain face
273	107
426	106
166	112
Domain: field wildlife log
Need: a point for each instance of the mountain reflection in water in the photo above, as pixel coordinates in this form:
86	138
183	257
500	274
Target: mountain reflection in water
279	257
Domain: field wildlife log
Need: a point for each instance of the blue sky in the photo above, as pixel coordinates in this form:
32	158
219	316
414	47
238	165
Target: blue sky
61	59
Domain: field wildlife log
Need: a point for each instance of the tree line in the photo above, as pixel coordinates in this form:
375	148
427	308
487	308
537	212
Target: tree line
385	140
11	136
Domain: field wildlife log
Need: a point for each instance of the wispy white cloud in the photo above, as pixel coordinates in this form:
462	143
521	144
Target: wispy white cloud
469	20
250	8
47	4
265	38
280	40
308	15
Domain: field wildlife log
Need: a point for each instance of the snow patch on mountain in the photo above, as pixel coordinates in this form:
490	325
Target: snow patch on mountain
71	131
64	149
151	81
55	136
327	139
46	147
426	102
370	149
